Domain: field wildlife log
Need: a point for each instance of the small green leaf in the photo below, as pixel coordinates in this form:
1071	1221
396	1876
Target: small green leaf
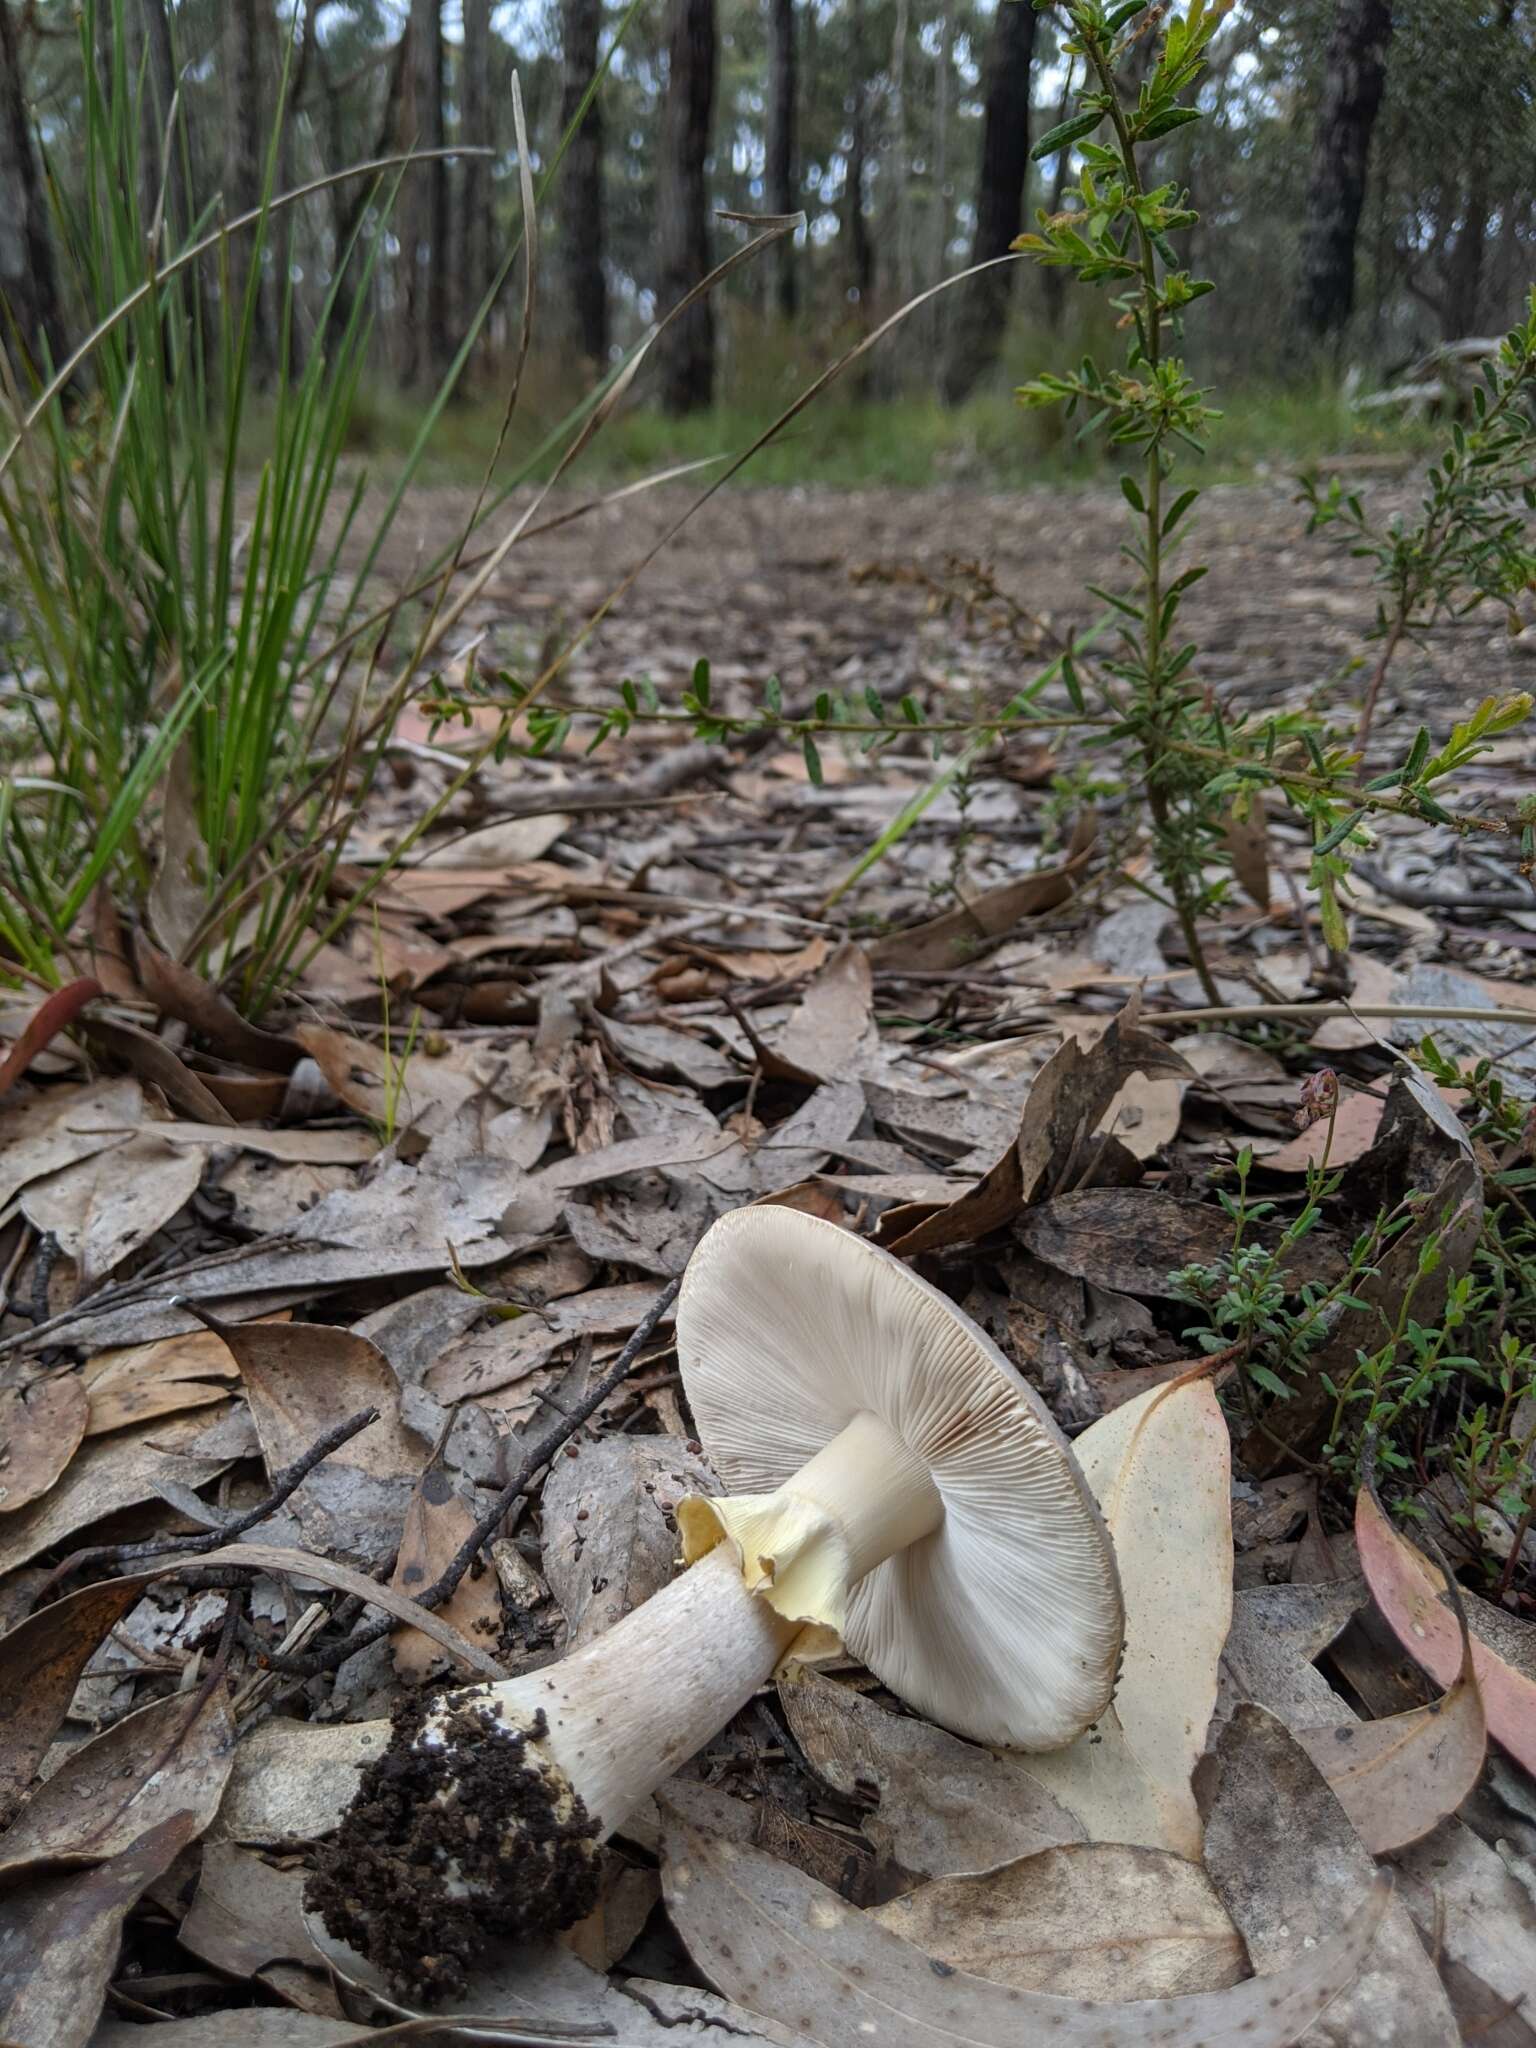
1066	132
1164	122
1130	490
1339	834
701	680
812	761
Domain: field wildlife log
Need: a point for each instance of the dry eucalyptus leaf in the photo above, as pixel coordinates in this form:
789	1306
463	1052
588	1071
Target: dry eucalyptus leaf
140	1381
42	1133
1160	1469
548	1989
246	1912
1289	1867
1101	1920
959	936
345	1146
610	1541
60	1933
1480	1920
40	1430
1398	1778
1406	1588
269	2026
104	1475
770	1936
1130	1240
1353	1133
1064	1108
103	1208
507	1352
41	1660
293	1780
301	1379
946	1807
831	1033
1276	1633
166	1762
437	1522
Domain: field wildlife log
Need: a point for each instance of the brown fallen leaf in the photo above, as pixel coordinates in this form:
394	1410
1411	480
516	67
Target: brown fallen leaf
167	1762
59	1937
1289	1866
1246	839
42	1132
437	1521
140	1381
1276	1633
831	1033
415	1092
182	993
509	1351
178	896
1398	1778
152	1060
610	1540
301	1379
961	936
1354	1132
41	1660
1062	1111
946	1807
246	1912
1100	1920
105	1474
1131	1240
243	2027
40	1430
301	1147
1407	1589
1479	1920
770	1936
101	1209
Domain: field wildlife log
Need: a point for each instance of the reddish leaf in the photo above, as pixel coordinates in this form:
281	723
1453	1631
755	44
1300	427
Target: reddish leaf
52	1016
1407	1588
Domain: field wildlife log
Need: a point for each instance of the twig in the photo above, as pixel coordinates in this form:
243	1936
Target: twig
1373	688
1430	1012
1420	898
286	1483
542	1452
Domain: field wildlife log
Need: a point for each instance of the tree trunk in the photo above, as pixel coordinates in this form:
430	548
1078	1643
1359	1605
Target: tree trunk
1464	271
1355	74
151	70
33	329
939	216
244	134
579	188
1053	282
688	346
426	240
477	239
901	152
351	199
782	183
982	312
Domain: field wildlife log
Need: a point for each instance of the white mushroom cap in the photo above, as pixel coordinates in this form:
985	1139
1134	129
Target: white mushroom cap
1004	1622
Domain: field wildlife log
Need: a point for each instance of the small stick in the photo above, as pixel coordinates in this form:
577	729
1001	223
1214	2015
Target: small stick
540	1455
1449	1013
287	1482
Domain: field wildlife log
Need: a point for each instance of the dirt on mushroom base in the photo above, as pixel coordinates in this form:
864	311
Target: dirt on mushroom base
417	1883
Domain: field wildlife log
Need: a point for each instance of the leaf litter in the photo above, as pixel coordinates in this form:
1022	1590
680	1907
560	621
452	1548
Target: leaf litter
448	1188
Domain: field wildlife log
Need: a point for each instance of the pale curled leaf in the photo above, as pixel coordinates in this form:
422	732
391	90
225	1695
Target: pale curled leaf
772	1938
1101	1920
1160	1469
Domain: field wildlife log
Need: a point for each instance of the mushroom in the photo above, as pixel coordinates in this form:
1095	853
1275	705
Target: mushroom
895	1487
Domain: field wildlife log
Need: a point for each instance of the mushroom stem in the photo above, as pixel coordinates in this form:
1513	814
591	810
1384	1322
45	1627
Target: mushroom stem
804	1548
629	1708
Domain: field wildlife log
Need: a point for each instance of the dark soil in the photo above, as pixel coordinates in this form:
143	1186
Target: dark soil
421	1883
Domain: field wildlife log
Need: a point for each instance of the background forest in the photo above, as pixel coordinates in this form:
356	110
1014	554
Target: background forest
1369	167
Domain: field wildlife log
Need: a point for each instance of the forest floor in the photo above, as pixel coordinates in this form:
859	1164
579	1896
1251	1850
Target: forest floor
338	1356
816	585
